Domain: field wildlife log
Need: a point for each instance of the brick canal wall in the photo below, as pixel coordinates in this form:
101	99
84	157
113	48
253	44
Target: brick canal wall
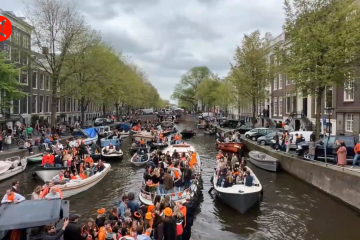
342	183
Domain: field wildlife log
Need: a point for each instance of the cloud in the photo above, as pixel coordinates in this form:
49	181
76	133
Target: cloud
168	37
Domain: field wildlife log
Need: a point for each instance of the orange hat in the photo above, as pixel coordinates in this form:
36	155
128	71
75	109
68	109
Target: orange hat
168	212
148	216
150	208
101	211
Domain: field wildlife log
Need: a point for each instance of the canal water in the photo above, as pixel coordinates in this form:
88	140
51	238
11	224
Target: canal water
291	209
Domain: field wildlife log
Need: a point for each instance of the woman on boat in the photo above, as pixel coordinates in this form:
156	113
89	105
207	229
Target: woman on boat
46	190
35	195
114	215
90	228
53	194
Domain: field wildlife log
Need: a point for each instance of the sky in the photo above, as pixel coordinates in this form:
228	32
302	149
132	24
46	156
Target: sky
166	38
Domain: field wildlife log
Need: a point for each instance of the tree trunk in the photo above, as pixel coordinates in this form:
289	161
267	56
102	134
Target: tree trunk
104	111
318	112
53	109
82	109
253	112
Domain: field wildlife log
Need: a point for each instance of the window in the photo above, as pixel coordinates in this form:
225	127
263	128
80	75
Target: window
68	107
15	55
47	103
25	42
16	107
24	105
16	35
58	105
275	83
275	106
74	104
23	77
280	82
41	81
34	80
63	107
288	103
329	97
280	106
41	104
349	122
34	103
24	59
47	82
349	88
7	50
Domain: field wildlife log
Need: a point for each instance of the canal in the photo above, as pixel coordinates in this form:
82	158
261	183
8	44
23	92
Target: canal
291	209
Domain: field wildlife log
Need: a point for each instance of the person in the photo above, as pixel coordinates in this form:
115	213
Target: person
73	230
169	225
190	212
36	193
248	179
53	194
312	148
12	197
15	186
123	205
47	189
357	154
50	231
140	235
28	146
132	204
341	155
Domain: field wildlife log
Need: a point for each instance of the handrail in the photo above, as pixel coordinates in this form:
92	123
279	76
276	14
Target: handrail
166	194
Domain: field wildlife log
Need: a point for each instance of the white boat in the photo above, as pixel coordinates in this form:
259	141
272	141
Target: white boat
104	131
47	173
143	134
12	166
137	163
239	196
263	161
88	135
77	186
112	153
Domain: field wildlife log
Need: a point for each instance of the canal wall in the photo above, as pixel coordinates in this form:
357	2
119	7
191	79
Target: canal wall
342	183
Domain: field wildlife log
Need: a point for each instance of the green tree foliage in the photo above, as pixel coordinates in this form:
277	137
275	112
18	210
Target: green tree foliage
323	46
10	88
207	91
251	72
187	89
224	96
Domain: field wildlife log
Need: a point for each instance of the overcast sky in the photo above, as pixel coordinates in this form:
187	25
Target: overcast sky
168	37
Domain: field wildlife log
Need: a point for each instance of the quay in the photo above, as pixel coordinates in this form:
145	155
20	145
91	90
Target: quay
340	182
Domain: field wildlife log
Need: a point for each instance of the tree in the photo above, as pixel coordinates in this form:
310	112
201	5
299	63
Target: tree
251	71
186	90
322	47
224	95
10	88
57	28
207	91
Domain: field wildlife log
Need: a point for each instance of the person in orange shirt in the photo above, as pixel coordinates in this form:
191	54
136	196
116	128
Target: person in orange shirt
45	160
193	160
51	160
220	155
357	153
89	160
47	189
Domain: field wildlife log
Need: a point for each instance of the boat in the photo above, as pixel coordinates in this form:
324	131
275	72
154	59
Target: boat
201	125
116	142
124	134
188	133
104	131
167	132
111	153
264	161
77	186
47	173
88	135
124	127
230	146
35	158
239	196
158	145
12	166
95	156
143	134
196	184
133	149
38	214
145	158
167	124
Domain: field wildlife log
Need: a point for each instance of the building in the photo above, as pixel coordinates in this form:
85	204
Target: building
287	105
36	83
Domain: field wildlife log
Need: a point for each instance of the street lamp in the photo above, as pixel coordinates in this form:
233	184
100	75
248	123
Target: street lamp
329	111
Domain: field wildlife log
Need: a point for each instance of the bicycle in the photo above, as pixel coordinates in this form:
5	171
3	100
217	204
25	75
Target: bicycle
19	142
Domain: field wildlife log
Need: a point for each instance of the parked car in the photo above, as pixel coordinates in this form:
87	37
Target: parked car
99	122
249	134
243	129
229	124
266	140
261	133
326	144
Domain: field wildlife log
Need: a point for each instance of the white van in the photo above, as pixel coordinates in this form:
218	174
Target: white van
306	135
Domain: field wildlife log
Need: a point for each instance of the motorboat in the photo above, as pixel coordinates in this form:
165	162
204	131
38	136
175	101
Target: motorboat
35	158
38	214
140	159
12	166
167	124
47	173
88	136
159	145
264	161
230	146
239	196
188	133
104	131
74	187
115	152
135	148
169	131
124	134
113	140
144	134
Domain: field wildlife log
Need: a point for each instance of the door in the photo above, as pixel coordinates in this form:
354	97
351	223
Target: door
305	106
297	124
